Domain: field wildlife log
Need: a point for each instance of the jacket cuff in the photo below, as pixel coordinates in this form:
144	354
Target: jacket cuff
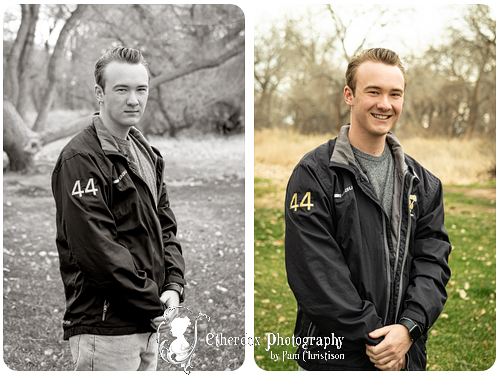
175	279
417	318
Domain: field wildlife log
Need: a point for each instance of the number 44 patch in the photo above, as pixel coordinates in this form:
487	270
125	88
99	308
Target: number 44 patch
90	188
305	202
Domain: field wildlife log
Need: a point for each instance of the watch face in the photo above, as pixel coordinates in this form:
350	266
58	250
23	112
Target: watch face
413	329
415	333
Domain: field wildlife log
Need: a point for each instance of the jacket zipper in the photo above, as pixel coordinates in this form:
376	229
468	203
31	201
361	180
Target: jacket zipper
105	310
398	244
388	268
387	250
367	191
407	242
399	224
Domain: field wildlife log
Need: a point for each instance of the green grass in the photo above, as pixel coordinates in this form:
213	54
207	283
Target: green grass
275	305
463	338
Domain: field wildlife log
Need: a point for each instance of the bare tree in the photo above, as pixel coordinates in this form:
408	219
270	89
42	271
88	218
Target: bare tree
19	142
452	90
270	65
54	66
483	47
19	59
195	52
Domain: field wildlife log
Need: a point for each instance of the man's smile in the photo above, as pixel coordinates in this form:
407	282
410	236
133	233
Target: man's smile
381	117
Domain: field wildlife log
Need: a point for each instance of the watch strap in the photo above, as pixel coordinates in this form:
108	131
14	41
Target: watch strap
413	328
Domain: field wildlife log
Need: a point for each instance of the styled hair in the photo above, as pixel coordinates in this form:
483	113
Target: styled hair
121	54
382	55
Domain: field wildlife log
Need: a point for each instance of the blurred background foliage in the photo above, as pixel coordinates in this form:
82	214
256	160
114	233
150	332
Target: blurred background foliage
300	61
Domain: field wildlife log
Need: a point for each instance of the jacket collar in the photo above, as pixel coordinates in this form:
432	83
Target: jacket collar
108	143
342	153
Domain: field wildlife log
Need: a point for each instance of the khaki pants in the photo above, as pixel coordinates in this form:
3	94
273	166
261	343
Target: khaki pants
136	352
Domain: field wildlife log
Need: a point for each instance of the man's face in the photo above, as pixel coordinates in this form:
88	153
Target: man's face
378	100
125	94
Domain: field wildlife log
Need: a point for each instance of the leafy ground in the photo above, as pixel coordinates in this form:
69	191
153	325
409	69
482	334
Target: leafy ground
463	338
205	178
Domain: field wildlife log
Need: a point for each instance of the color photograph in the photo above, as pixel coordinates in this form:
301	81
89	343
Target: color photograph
375	179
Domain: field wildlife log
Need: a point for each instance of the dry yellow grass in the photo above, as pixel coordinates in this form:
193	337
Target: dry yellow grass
454	161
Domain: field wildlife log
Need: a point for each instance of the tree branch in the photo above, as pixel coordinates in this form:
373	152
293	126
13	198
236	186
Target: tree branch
199	65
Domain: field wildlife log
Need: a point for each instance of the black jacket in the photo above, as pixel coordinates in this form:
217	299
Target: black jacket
351	268
117	249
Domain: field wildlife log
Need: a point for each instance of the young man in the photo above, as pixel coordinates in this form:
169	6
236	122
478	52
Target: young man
120	260
366	248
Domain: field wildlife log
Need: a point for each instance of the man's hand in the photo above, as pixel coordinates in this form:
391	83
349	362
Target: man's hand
389	355
170	298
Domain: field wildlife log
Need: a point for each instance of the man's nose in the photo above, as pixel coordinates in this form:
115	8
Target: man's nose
132	100
384	103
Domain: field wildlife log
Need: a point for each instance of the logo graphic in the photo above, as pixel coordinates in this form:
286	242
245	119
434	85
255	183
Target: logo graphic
413	199
346	190
176	349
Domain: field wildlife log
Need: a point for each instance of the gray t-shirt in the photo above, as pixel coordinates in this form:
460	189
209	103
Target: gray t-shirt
380	172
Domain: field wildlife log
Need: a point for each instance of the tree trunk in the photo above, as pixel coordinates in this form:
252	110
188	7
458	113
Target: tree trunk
54	65
17	140
473	116
25	68
72	128
12	75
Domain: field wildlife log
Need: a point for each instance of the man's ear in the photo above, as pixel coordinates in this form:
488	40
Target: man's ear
348	96
99	92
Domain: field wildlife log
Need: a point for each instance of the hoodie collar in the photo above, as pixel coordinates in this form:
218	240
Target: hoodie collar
342	153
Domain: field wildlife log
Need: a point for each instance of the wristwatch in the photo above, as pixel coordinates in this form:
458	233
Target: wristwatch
413	328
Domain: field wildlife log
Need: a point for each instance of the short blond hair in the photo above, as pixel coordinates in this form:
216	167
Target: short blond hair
383	55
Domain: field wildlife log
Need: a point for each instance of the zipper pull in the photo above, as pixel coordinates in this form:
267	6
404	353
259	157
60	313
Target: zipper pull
104	310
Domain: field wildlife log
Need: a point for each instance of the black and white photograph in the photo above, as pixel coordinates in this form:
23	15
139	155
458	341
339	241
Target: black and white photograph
123	186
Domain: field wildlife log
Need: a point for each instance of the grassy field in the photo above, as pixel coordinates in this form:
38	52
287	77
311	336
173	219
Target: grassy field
463	338
454	161
205	178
